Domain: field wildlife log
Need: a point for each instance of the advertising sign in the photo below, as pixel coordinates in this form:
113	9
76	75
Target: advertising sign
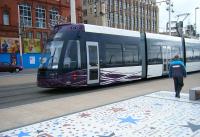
32	59
31	45
9	45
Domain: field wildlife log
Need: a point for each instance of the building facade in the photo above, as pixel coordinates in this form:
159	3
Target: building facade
139	15
32	20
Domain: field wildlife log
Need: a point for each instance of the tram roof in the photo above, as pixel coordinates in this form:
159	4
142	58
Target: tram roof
192	40
163	37
111	31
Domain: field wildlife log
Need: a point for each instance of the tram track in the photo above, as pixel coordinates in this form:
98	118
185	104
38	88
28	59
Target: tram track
19	95
11	96
11	90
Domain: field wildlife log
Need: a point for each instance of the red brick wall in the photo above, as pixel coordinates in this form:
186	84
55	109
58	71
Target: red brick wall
12	6
12	29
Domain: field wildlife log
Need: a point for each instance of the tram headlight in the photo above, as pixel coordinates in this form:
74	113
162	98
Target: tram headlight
55	66
43	60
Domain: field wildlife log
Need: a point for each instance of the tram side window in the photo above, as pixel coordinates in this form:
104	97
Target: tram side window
189	54
154	55
113	55
192	54
196	54
71	56
131	55
176	51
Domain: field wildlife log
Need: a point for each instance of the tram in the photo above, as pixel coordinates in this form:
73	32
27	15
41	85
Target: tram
80	55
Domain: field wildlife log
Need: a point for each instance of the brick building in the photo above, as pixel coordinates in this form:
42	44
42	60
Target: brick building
139	15
33	20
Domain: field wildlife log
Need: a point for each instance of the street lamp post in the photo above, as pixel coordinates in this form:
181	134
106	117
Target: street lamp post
168	2
20	36
73	11
169	17
195	25
170	10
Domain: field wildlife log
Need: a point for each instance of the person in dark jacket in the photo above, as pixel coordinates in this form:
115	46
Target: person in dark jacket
177	72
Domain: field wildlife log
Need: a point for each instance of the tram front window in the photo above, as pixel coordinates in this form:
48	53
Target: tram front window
51	55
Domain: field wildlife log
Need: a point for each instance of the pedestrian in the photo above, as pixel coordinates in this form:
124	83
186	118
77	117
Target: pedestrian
4	47
177	72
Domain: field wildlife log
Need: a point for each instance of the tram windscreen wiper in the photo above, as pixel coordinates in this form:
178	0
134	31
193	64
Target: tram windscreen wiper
52	57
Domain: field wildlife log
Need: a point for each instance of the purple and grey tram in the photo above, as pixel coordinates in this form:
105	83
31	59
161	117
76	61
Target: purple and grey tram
86	55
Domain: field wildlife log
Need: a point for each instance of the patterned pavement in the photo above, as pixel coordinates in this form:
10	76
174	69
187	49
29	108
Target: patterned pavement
154	115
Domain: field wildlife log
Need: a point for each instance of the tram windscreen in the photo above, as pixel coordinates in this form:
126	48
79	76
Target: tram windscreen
51	55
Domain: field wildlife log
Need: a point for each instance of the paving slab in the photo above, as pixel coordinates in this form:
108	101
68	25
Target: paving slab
23	77
157	114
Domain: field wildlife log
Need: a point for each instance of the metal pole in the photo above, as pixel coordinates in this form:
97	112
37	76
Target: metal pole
20	37
195	21
195	25
169	17
73	11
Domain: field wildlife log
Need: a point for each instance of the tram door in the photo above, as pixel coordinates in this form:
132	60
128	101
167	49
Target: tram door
166	50
92	62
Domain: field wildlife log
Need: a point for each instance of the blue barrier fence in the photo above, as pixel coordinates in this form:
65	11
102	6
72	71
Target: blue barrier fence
30	60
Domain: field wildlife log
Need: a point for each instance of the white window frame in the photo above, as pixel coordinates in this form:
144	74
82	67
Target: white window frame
25	11
40	17
6	18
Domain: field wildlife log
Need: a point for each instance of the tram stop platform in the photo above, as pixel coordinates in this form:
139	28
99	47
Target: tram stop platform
158	114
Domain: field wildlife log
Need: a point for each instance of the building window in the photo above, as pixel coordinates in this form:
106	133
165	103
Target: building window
117	18
44	39
85	12
120	19
153	25
85	21
128	21
6	17
53	13
44	35
40	17
30	35
38	35
125	20
132	23
84	2
151	14
111	19
24	34
25	15
141	23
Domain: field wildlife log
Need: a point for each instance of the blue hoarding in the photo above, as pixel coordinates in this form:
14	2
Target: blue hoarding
30	60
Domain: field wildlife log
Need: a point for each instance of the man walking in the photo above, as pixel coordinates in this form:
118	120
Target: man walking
177	72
